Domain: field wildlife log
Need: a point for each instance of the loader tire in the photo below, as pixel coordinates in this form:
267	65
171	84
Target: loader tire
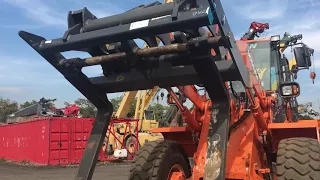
298	159
156	159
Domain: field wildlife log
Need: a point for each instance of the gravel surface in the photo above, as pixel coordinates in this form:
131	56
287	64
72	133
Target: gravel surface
110	171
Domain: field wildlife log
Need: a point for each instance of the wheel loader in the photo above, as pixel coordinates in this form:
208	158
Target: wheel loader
231	132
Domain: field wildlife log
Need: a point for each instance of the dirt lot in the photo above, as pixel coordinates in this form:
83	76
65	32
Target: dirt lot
117	171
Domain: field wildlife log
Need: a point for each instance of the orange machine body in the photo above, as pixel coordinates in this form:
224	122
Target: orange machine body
246	158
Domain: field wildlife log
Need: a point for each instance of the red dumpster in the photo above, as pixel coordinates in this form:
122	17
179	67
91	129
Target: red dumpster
47	141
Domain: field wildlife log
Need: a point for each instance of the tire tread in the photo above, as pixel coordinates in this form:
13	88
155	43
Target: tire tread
147	162
298	158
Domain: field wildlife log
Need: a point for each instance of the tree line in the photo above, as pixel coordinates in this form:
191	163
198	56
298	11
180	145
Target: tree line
87	109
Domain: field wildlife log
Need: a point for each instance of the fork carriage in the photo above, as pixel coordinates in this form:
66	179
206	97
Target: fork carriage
188	32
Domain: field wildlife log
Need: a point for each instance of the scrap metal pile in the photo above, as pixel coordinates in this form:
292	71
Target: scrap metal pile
41	109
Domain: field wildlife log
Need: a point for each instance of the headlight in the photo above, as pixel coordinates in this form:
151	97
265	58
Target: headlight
289	89
275	38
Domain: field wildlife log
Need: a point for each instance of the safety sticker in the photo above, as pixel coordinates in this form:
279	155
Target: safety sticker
139	24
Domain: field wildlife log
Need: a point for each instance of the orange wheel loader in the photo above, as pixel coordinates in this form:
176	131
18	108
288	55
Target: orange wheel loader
231	132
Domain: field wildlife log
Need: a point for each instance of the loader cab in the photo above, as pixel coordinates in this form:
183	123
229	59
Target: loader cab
148	121
262	56
266	59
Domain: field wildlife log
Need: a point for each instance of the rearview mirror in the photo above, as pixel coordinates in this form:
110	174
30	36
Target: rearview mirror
303	56
289	89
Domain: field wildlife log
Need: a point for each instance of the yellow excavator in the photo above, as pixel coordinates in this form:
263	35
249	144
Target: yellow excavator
146	121
146	117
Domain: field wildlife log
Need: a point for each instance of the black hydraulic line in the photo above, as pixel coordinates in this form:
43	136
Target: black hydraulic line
236	124
234	92
128	17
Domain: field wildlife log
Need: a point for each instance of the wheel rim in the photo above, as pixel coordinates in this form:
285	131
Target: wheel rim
132	148
176	172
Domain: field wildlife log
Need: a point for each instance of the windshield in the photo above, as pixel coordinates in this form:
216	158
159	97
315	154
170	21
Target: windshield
264	61
149	115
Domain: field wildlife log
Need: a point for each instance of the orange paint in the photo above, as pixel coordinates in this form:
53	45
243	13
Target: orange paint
246	157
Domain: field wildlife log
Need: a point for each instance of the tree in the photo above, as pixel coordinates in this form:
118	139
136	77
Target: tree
305	117
27	104
159	110
7	107
87	109
132	109
116	103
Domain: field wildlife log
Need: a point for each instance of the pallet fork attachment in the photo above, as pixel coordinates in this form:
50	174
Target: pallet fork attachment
186	60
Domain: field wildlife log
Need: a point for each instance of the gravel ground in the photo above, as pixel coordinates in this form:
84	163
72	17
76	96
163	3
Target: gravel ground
112	171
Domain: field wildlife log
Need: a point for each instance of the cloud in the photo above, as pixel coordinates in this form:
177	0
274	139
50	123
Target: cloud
312	40
100	8
26	78
27	72
53	14
39	11
302	4
262	10
22	26
99	13
294	17
15	90
317	63
308	27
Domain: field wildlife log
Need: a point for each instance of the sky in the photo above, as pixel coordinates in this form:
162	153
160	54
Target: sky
25	75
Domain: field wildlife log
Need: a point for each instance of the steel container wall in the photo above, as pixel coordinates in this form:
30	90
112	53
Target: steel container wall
47	141
28	141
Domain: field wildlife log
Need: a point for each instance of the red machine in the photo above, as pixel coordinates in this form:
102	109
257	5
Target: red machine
255	29
71	110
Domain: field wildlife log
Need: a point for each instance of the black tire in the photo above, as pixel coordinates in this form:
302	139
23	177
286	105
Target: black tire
155	159
298	158
129	144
